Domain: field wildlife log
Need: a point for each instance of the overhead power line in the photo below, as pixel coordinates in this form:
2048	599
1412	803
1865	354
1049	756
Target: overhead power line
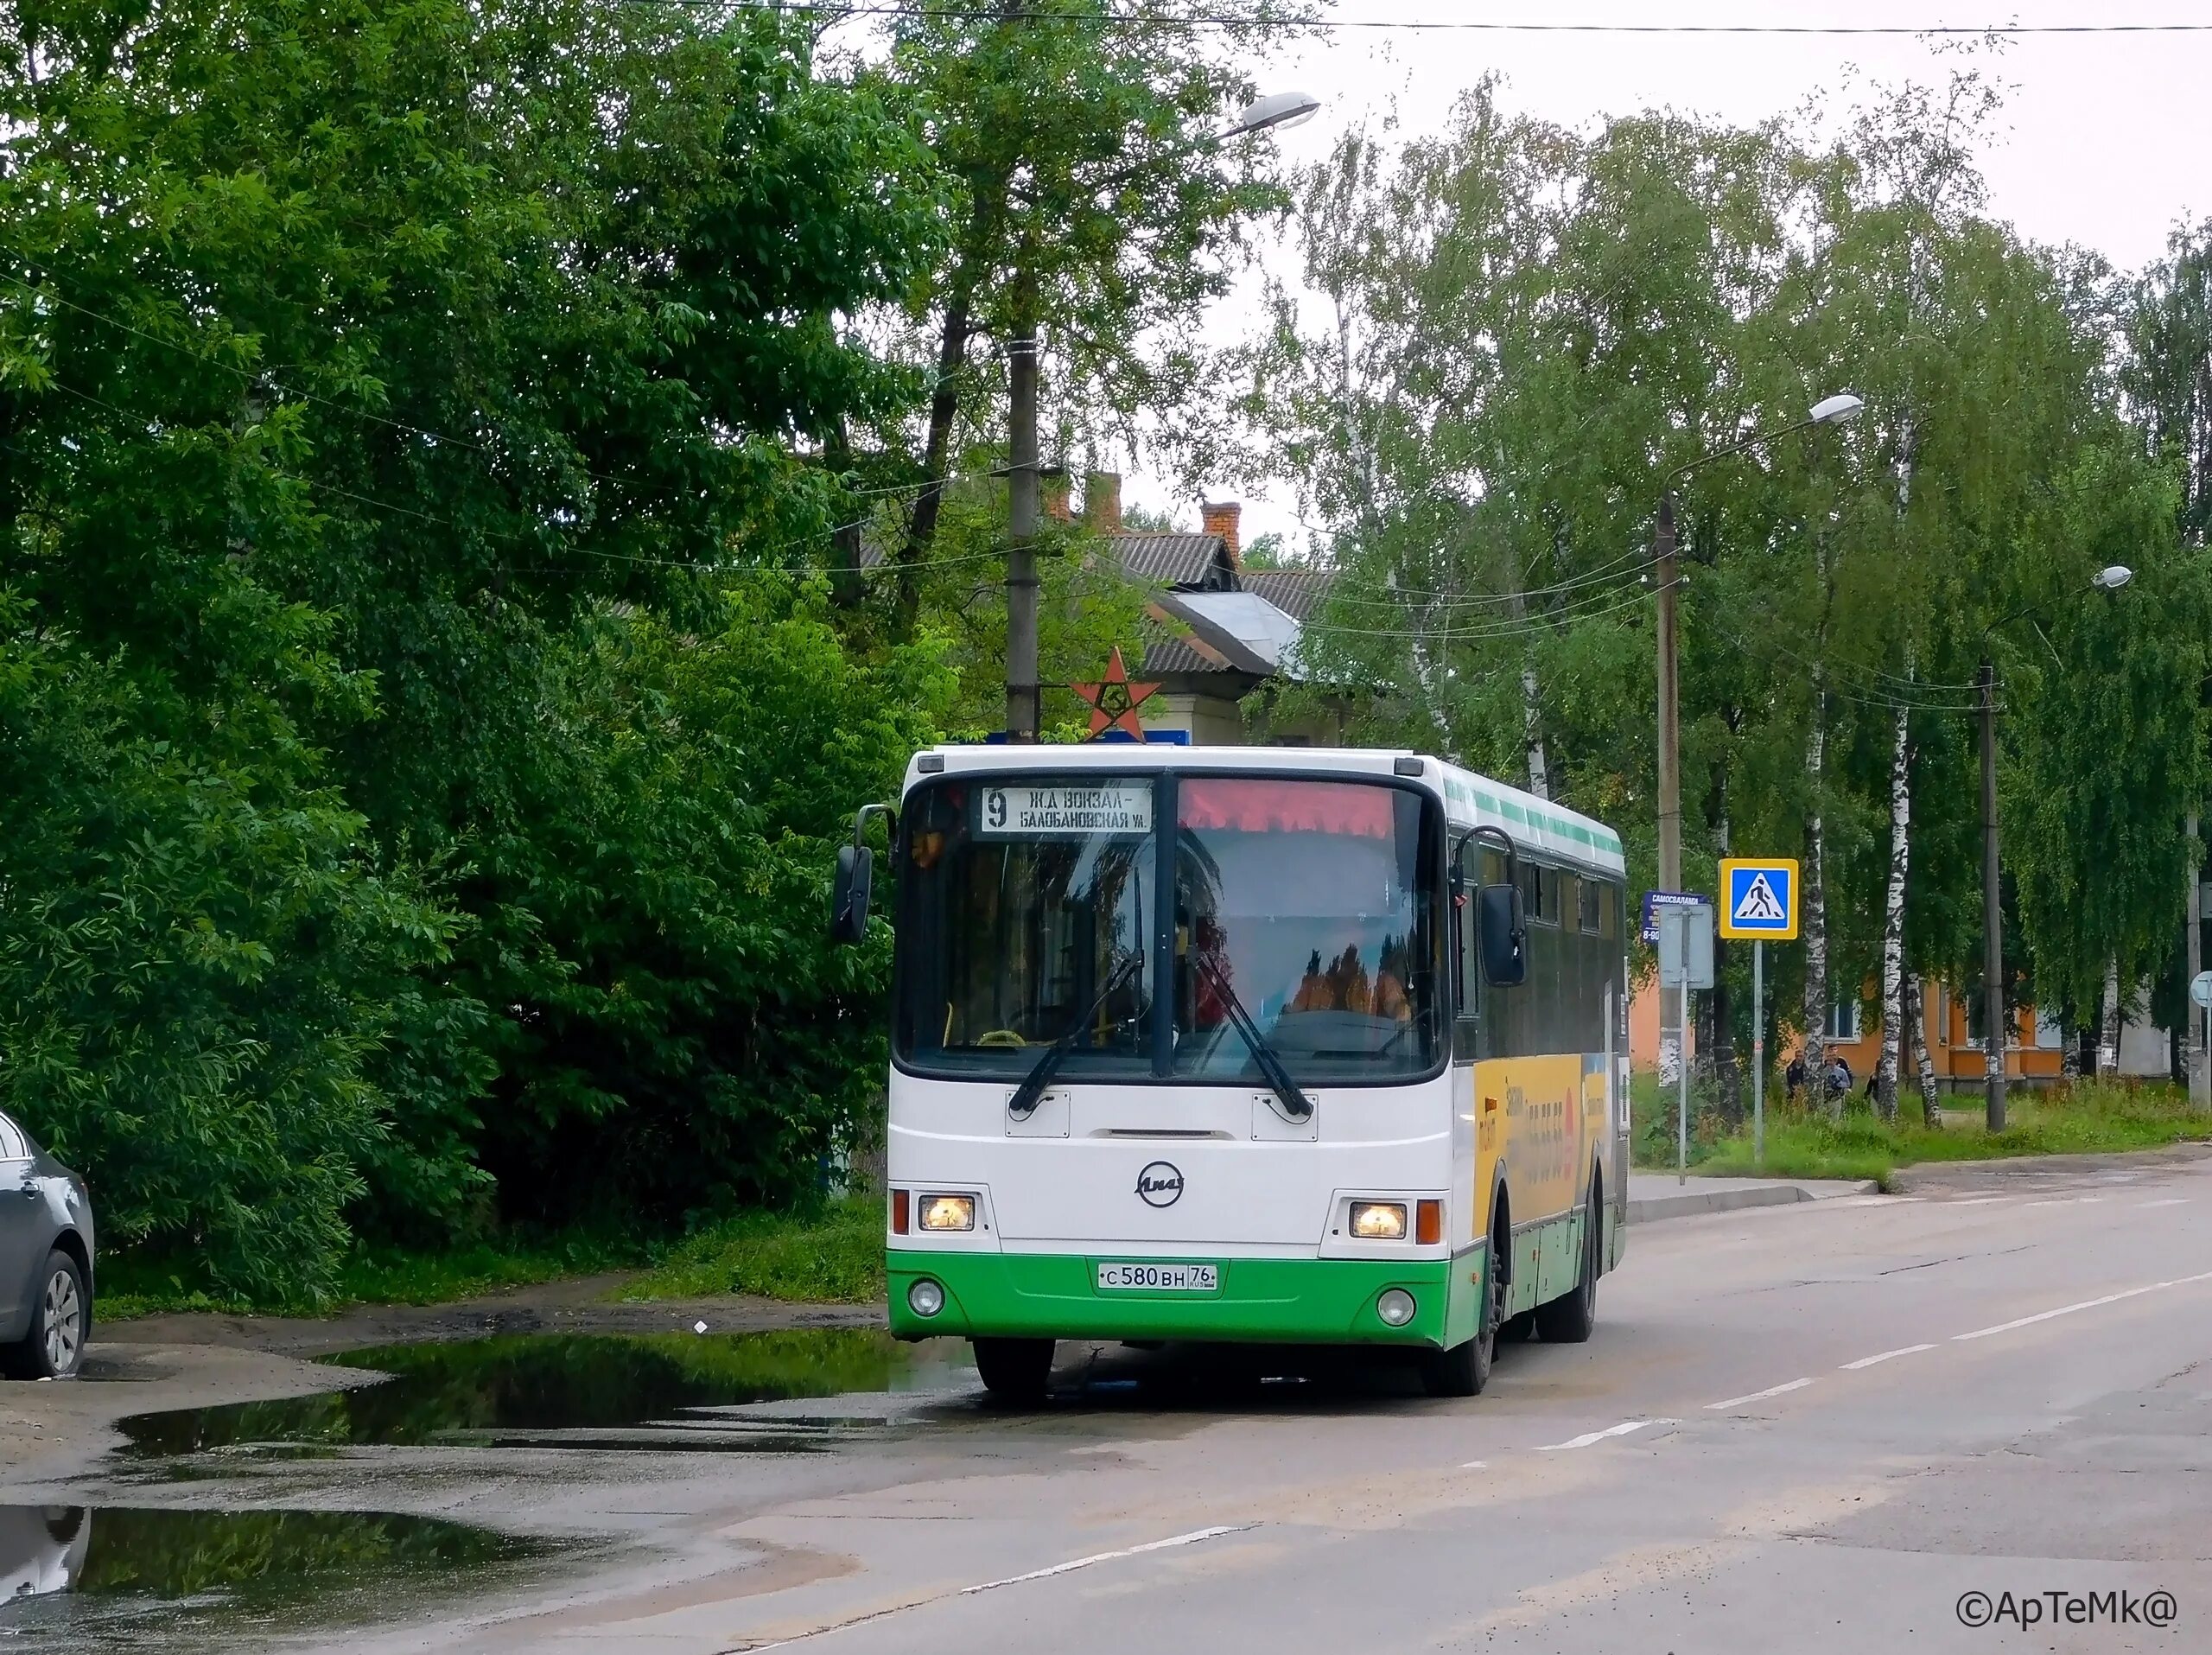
1428	25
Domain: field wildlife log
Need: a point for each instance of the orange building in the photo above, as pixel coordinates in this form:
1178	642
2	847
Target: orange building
2035	1053
2036	1050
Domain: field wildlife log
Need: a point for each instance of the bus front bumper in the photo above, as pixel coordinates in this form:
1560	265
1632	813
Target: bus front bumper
1274	1301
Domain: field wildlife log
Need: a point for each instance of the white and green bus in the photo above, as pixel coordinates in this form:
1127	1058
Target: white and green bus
1263	1045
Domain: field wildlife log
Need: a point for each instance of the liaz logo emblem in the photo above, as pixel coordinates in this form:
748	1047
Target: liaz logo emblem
1160	1184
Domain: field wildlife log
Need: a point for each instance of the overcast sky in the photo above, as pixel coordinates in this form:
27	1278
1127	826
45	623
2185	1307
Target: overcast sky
2105	139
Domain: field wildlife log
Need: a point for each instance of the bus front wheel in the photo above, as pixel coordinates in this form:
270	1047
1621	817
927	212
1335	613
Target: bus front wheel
1014	1371
1463	1370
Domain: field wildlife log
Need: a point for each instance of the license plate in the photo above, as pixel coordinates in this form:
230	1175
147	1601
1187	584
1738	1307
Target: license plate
1161	1278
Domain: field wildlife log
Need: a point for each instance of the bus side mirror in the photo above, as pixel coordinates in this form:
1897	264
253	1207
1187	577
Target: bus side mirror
1502	934
849	893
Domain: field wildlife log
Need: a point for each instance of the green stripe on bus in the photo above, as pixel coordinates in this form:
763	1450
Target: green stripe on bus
1286	1300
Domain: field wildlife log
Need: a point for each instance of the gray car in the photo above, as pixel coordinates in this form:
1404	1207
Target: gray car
46	1260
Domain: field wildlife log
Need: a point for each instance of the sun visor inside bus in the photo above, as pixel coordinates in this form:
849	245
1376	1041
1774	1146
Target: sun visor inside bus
1271	805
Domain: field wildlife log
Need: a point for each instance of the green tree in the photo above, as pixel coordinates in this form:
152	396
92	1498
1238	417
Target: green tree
338	413
1088	207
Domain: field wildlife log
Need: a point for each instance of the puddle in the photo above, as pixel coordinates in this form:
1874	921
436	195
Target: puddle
74	1576
570	1390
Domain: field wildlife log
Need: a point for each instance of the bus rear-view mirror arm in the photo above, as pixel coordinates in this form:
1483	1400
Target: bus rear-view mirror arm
1501	930
855	878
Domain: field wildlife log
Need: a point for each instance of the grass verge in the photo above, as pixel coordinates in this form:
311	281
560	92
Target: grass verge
2086	1117
136	1286
831	1254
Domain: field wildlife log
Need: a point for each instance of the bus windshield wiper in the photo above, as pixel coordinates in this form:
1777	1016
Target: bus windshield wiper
1030	1091
1293	1104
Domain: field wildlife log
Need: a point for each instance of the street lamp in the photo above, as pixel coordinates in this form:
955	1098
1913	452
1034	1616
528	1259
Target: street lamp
1276	109
1838	410
2110	578
1024	711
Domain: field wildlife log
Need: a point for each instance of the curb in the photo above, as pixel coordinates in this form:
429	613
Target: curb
1924	1175
1691	1202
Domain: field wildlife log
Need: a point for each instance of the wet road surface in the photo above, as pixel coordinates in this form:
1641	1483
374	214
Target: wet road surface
1817	1427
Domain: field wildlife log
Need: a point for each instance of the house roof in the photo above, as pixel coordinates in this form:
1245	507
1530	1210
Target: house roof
1195	561
1225	632
1296	592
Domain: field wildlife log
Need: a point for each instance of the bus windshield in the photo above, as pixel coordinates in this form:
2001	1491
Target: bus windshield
1029	907
1022	903
1312	906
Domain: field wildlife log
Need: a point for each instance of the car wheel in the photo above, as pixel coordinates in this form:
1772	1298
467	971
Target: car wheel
53	1344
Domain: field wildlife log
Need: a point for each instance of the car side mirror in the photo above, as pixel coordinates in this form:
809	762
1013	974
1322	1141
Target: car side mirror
849	893
1503	935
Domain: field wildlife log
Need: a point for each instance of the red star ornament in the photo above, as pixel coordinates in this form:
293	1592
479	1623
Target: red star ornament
1114	701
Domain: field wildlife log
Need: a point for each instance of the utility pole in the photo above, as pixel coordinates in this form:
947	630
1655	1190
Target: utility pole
1830	410
1021	694
1670	761
2200	1079
2111	578
1992	916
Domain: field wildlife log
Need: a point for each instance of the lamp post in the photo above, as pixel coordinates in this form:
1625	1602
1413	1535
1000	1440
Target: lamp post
2108	579
1024	713
1838	410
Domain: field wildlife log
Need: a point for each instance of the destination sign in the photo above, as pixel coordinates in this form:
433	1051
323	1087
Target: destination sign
1112	807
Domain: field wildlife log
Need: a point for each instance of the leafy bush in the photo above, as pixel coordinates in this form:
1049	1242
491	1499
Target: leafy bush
680	1035
196	958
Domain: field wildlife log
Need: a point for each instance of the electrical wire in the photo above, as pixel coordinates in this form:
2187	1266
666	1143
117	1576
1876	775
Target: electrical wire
833	12
1592	606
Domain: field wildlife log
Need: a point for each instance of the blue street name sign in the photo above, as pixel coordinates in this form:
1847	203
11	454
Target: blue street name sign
1656	900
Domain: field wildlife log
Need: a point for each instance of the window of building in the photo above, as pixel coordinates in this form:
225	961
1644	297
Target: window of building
1977	1023
1843	1022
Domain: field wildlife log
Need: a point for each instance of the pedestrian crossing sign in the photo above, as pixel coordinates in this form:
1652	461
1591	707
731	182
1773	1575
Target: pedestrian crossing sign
1759	898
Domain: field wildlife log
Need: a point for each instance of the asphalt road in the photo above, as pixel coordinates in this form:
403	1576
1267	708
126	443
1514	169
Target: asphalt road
1806	1428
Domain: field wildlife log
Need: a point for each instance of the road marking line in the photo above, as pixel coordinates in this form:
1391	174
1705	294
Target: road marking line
1588	1437
1191	1538
862	1618
1761	1396
2171	1200
2086	1304
1476	1465
2066	1201
1977	1201
1902	1350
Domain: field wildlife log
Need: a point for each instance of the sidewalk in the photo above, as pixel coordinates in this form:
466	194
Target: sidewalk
1656	1195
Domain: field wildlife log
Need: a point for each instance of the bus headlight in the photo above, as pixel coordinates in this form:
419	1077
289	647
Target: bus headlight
1377	1220
1396	1306
926	1297
948	1212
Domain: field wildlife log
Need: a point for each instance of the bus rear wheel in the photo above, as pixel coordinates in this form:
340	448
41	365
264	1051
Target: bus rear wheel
1568	1319
1016	1371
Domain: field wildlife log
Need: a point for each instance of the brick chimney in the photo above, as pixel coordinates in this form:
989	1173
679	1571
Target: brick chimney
1053	489
1220	520
1101	501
